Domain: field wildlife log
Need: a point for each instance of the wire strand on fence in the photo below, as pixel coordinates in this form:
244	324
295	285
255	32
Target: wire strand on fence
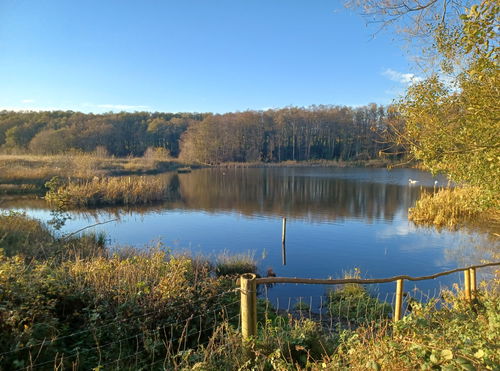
123	320
170	340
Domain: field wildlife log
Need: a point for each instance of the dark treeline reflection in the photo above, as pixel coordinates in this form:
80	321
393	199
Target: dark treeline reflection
314	194
284	192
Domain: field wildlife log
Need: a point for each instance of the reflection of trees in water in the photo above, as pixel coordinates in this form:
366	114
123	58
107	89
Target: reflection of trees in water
257	191
267	192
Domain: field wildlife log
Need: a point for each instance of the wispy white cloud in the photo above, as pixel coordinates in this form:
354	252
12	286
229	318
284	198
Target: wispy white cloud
402	78
29	109
122	107
27	101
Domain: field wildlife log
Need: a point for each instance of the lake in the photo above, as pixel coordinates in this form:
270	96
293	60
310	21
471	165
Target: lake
337	220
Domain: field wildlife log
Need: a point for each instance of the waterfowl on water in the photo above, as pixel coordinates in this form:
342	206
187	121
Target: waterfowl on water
411	181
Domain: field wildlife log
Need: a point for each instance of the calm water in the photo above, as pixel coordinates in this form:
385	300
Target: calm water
338	219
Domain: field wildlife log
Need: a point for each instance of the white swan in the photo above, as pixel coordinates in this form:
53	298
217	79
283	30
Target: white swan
411	181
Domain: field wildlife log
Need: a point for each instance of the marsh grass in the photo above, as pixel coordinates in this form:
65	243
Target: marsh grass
132	309
450	207
235	265
24	173
107	191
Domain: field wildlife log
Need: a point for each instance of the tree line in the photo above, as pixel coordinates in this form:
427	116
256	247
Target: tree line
292	133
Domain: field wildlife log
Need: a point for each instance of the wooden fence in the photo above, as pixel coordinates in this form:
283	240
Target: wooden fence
248	287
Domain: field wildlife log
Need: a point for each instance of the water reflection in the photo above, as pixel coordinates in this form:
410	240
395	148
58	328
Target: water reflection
294	194
322	195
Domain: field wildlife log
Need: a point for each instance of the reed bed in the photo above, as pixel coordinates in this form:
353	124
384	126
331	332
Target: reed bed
108	191
28	173
449	207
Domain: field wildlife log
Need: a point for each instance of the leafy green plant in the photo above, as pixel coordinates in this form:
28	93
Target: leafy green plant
352	302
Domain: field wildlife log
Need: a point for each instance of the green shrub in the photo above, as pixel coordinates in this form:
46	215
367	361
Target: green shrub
457	336
353	303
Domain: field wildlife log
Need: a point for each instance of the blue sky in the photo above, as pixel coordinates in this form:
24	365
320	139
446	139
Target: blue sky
193	56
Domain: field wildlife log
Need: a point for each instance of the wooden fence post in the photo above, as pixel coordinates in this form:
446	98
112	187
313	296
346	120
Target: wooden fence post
467	285
473	284
248	288
283	231
398	304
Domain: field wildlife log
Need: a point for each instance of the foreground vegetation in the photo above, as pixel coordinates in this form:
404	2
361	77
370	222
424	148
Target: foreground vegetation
70	303
66	300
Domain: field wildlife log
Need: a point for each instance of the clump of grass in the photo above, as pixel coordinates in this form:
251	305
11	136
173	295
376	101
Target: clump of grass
301	306
107	191
352	302
235	265
450	207
31	239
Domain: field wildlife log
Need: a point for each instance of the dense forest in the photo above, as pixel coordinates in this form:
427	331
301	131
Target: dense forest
297	134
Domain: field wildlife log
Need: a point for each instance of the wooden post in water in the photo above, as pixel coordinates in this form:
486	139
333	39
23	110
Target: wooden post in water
398	304
248	288
283	253
467	284
473	284
283	232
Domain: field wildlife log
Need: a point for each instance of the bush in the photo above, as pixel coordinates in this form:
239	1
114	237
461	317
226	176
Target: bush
454	337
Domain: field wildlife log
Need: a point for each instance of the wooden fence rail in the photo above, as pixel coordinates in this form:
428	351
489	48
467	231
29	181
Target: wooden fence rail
248	286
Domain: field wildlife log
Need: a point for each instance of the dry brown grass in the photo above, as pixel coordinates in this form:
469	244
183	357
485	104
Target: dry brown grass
132	190
450	207
28	173
311	163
